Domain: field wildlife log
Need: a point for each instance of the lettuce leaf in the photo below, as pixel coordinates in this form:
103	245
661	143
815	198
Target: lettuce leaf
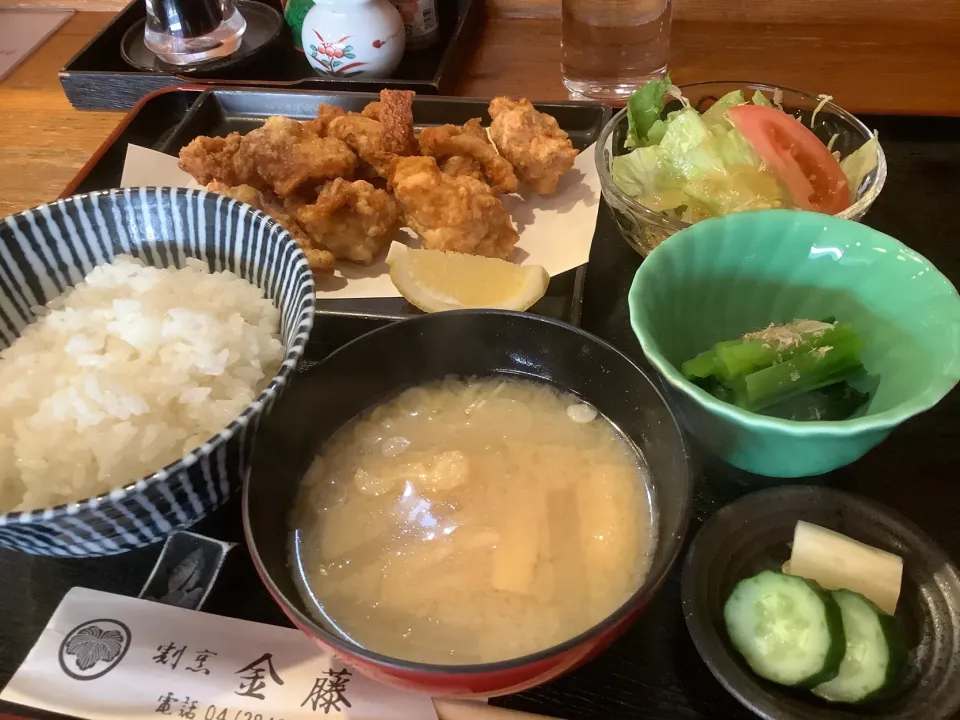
657	131
688	147
733	148
716	114
642	175
760	99
860	163
745	189
643	111
693	164
636	172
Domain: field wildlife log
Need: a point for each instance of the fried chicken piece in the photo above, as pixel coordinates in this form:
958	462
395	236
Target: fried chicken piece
395	113
381	133
353	220
469	141
463	165
286	157
244	193
363	136
452	213
532	141
212	158
474	128
321	261
321	123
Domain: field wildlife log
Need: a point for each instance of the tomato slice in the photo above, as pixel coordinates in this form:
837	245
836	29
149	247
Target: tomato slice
812	175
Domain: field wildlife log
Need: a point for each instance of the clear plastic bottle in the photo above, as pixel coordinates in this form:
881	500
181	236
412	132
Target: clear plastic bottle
420	22
185	32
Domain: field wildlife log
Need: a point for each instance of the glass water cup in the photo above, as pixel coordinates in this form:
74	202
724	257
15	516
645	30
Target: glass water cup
610	47
644	229
186	32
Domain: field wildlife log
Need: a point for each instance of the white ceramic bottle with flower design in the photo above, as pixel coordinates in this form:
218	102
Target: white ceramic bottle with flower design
350	38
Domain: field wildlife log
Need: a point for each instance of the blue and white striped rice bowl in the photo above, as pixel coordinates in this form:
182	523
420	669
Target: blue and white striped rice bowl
48	249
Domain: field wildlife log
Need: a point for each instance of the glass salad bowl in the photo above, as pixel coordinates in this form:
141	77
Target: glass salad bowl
645	228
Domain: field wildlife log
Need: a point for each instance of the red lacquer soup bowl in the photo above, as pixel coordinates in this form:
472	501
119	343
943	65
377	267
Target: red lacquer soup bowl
379	365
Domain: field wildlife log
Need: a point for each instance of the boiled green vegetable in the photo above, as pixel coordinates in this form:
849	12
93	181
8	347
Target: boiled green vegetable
770	367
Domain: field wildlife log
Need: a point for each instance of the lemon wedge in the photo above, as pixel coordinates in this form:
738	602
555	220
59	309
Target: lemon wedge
435	280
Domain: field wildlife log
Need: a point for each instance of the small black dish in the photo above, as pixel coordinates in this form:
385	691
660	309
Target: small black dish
753	533
264	25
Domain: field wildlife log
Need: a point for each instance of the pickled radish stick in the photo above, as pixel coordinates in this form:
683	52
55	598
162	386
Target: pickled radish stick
838	562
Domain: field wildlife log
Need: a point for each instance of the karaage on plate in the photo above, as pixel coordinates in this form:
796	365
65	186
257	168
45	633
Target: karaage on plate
452	213
311	176
363	136
532	141
288	157
453	145
395	111
321	123
463	165
353	220
381	133
211	159
321	261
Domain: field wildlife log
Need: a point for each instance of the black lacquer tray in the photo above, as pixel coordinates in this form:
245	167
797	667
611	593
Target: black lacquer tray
98	78
653	671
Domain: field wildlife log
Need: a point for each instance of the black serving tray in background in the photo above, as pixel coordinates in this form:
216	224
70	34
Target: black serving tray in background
653	671
97	77
175	118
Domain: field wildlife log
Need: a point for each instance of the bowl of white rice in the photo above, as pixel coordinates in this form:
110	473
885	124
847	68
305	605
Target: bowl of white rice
144	333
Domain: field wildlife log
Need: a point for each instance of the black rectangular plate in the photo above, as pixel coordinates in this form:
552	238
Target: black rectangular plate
221	111
653	671
97	78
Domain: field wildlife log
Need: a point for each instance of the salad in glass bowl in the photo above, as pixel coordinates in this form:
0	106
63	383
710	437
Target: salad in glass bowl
675	156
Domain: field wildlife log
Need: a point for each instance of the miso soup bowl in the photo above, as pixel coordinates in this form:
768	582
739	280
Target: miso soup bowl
383	363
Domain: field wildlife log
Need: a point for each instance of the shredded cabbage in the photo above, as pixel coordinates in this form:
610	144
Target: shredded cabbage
675	92
824	99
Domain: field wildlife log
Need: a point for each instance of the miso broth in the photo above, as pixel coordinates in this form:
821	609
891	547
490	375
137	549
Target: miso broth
470	521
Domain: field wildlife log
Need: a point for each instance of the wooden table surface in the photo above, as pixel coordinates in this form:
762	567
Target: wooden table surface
883	68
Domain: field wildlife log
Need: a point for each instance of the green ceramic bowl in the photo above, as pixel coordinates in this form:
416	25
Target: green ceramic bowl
723	277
